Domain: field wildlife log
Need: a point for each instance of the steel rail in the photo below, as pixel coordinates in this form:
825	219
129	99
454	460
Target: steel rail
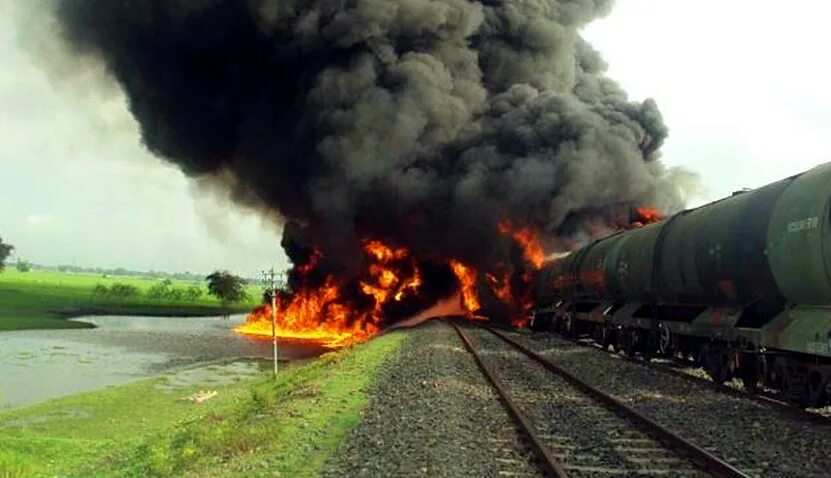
547	461
762	398
706	460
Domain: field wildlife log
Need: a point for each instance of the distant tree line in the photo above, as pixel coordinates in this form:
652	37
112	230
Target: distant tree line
226	287
164	290
26	266
121	271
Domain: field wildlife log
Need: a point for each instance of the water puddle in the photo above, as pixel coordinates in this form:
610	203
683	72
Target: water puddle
37	365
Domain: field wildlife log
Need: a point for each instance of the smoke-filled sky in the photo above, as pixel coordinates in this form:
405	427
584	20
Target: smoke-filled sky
744	106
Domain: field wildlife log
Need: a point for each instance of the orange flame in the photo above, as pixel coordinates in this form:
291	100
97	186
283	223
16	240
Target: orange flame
501	287
521	322
313	261
410	286
647	215
528	240
321	314
315	315
384	254
324	313
467	278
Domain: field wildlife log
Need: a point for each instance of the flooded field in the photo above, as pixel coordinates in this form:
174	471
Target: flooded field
36	365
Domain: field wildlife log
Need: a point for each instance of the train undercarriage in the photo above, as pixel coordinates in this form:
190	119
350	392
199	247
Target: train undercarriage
714	339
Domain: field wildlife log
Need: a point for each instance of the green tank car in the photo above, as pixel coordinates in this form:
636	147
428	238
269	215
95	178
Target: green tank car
741	286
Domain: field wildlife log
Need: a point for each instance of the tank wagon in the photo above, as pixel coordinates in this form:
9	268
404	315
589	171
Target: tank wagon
741	285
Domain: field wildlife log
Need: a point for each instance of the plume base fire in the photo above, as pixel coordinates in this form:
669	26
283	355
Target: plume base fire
259	325
395	288
390	290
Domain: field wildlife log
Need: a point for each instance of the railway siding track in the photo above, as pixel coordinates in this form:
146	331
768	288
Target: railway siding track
575	432
753	434
679	368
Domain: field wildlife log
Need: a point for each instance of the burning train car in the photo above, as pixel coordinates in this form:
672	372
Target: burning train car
742	285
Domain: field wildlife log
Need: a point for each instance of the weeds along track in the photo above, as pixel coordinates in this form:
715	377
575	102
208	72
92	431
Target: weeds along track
574	429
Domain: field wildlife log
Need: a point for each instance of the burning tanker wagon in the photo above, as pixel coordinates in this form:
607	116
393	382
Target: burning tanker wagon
413	150
742	285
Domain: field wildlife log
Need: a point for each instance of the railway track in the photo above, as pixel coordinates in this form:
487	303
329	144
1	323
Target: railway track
575	429
676	368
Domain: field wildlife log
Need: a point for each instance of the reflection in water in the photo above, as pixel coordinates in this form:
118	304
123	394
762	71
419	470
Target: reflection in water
39	364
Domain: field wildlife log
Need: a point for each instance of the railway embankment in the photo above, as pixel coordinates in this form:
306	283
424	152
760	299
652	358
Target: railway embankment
432	413
252	426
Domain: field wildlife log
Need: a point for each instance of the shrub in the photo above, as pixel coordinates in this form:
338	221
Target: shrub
123	291
160	290
193	293
100	290
175	294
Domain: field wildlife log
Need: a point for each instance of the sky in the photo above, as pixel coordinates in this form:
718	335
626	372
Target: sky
77	187
743	86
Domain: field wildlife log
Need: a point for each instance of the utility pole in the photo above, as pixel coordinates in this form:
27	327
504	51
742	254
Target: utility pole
268	277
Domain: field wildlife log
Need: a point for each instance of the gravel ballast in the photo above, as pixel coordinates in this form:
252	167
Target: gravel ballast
760	439
432	413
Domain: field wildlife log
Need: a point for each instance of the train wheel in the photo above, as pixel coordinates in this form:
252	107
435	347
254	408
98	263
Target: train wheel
630	346
561	324
796	386
570	326
650	345
665	340
554	324
750	371
776	377
709	360
686	352
605	337
622	337
614	338
693	351
718	363
817	385
597	333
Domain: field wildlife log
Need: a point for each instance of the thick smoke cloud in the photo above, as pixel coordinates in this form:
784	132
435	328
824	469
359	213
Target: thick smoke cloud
423	123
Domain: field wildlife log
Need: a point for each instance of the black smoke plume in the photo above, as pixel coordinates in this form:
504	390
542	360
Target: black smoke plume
422	123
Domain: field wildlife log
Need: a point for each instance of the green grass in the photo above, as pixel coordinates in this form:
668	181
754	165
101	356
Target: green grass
42	300
257	427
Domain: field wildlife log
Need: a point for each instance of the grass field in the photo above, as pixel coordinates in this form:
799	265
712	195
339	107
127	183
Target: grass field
43	300
256	427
